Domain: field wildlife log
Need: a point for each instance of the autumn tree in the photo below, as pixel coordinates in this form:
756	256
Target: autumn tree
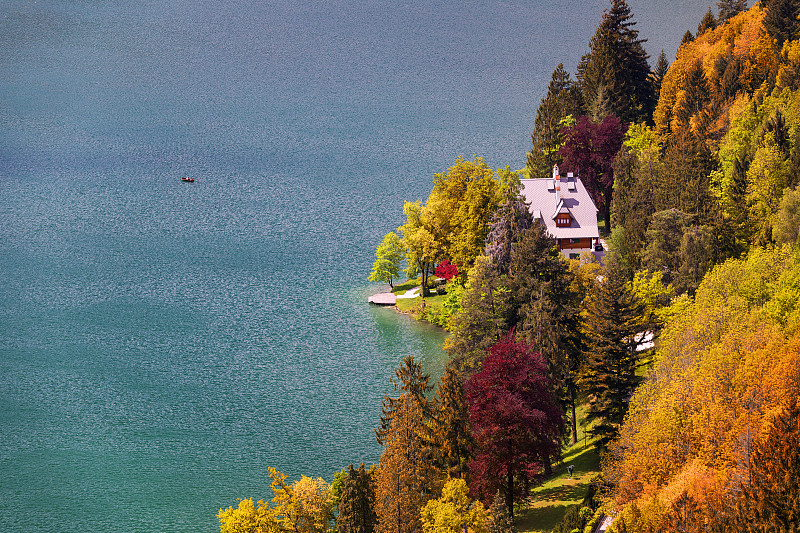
247	516
409	380
450	438
403	476
787	220
462	201
422	241
499	520
589	150
613	318
303	506
357	502
389	256
515	419
708	22
454	512
613	75
563	99
770	501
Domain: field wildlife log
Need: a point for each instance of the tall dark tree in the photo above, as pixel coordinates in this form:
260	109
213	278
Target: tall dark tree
781	20
450	437
515	419
409	380
589	151
357	502
511	218
687	37
613	75
482	319
708	22
563	99
547	310
730	8
613	318
657	76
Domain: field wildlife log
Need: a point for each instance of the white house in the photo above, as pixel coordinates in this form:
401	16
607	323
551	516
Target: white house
567	210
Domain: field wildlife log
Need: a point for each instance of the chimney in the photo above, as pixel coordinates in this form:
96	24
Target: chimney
557	181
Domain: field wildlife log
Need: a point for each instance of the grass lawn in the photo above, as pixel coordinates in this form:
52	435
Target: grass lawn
414	305
549	501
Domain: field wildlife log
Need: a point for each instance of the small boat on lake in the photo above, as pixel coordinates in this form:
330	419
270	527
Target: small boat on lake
190	180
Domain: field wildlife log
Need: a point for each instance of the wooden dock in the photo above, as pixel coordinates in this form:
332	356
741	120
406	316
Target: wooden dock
384	298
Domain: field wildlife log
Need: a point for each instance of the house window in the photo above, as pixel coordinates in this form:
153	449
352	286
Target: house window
574	256
563	221
574	241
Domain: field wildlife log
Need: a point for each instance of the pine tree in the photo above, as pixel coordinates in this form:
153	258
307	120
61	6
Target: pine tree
781	20
410	380
613	75
450	437
687	37
482	319
614	317
730	8
403	477
657	76
708	22
563	99
547	309
357	502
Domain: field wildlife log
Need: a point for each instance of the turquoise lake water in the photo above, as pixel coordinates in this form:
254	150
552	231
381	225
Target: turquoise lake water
162	343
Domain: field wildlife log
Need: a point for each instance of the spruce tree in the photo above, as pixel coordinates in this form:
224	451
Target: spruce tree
547	309
781	20
482	319
660	70
450	438
563	99
730	8
708	22
613	318
613	75
510	219
411	381
356	505
499	519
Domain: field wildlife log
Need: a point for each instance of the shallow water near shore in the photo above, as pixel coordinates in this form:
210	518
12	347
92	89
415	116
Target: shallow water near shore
162	343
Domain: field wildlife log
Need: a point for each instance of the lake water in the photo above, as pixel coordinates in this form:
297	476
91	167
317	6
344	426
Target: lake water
162	343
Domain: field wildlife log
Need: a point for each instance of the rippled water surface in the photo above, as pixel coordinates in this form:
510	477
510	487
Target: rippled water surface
162	343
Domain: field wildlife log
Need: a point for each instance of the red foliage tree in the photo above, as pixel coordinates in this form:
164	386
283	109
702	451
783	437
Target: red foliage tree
446	270
589	150
516	421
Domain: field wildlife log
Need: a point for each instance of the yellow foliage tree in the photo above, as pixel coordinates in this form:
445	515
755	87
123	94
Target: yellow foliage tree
248	518
454	512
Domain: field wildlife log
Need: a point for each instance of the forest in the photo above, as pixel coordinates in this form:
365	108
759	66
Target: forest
680	352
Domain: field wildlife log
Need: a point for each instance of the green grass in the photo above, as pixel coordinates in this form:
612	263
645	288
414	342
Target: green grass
546	504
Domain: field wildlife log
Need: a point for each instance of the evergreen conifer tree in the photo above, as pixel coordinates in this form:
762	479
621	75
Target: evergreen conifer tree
613	318
482	319
781	20
613	75
410	381
450	438
357	501
660	70
499	519
563	99
547	309
730	8
708	22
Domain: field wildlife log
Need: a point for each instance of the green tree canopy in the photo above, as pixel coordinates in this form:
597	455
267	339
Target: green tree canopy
389	255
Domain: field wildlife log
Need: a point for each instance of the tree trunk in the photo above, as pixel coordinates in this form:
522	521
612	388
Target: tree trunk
510	494
574	415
